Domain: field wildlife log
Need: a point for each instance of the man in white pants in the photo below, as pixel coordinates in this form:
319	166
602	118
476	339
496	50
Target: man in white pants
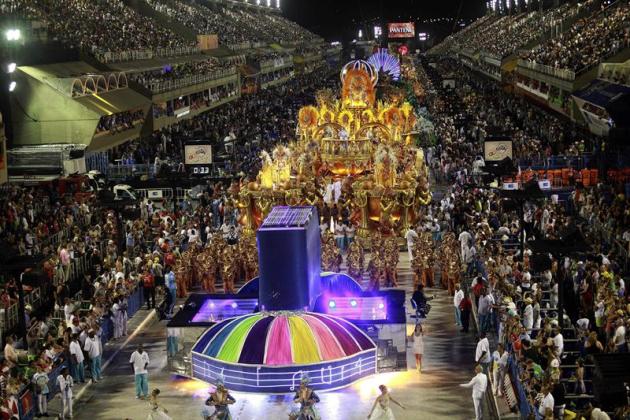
411	236
478	383
65	383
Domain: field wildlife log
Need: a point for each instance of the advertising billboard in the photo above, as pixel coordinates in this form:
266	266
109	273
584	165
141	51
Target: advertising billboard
495	151
198	158
198	154
401	30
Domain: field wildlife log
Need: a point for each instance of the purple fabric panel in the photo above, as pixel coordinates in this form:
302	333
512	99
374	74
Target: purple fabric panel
254	347
347	343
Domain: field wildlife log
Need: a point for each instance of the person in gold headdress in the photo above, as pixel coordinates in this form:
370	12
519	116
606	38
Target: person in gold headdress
376	269
391	256
229	270
355	261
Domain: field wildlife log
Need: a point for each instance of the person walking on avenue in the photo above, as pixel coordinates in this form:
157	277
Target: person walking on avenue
457	300
76	354
95	352
65	384
465	308
148	282
139	362
479	384
171	284
418	345
482	352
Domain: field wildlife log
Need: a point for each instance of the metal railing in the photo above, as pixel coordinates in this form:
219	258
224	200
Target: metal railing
132	55
194	79
564	74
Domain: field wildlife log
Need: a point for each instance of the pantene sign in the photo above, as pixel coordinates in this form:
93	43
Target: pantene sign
402	30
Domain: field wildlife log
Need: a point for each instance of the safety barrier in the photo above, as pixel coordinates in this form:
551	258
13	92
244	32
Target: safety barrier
132	55
27	400
169	85
564	74
524	407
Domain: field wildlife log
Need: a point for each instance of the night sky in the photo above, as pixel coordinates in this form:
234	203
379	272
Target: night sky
338	20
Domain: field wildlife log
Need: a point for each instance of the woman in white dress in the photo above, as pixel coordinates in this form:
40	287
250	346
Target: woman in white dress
381	409
418	345
157	412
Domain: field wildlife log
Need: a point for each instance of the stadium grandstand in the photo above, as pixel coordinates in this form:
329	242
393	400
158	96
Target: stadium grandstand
466	204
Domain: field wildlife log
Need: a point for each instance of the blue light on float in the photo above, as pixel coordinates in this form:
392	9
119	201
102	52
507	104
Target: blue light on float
353	303
381	305
331	304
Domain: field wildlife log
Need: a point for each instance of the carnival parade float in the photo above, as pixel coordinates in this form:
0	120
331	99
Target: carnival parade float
362	146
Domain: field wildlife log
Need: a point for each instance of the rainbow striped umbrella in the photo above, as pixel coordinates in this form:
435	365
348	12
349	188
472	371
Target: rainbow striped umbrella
282	339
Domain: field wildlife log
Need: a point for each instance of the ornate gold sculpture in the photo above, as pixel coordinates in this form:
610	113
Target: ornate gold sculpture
357	139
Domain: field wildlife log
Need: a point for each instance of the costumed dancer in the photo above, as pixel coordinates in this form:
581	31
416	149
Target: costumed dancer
381	409
157	412
418	345
307	399
220	399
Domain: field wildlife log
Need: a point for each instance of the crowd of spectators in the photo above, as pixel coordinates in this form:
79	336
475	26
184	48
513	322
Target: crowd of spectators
99	26
517	302
488	111
178	71
239	130
234	25
588	41
119	122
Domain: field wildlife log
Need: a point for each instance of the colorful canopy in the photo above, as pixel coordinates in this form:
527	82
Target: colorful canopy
281	339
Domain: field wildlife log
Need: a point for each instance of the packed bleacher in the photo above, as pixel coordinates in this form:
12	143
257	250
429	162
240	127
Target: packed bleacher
550	355
234	25
101	26
588	41
241	129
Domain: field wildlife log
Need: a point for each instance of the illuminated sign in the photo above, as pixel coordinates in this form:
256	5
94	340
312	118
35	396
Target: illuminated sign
198	154
357	308
497	150
401	30
214	310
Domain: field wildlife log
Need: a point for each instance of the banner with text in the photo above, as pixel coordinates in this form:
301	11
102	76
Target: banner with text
401	30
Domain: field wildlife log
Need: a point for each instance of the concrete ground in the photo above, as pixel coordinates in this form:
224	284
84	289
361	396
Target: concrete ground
434	394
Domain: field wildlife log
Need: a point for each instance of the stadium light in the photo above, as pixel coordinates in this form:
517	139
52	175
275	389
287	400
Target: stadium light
13	34
360	34
11	67
12	86
277	4
268	3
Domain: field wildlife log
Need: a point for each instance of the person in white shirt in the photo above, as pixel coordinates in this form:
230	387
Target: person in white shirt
500	359
528	315
411	236
77	358
558	343
546	405
68	308
95	352
40	380
620	337
457	299
479	384
139	362
482	352
65	384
